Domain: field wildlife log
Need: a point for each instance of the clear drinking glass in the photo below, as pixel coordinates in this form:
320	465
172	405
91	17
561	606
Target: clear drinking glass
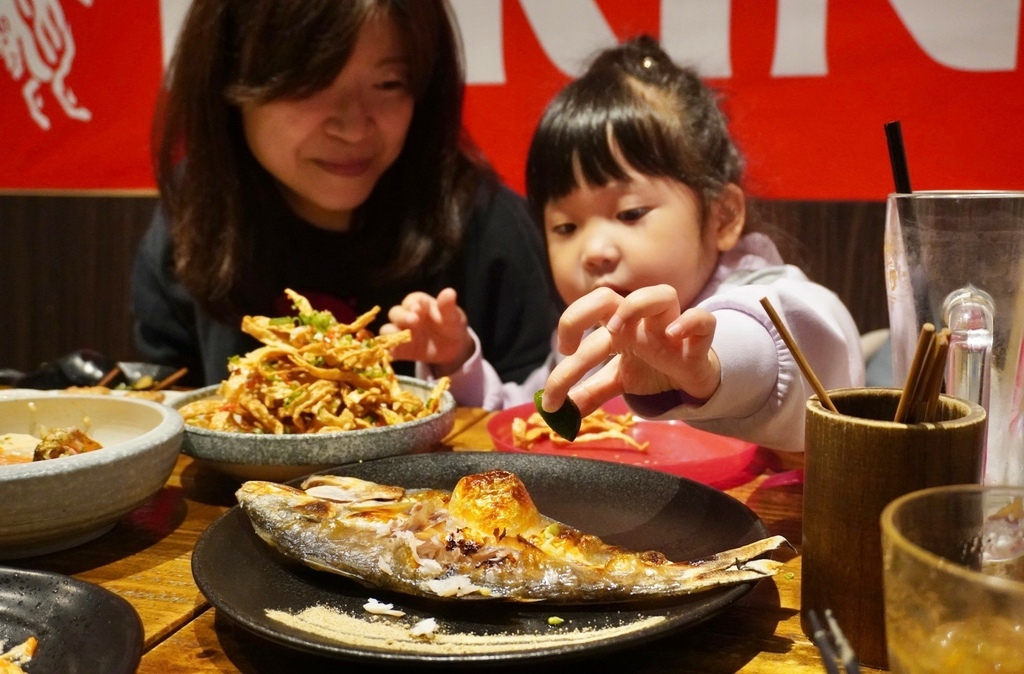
956	260
953	578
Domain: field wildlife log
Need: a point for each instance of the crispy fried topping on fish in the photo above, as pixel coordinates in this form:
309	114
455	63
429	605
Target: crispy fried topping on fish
484	540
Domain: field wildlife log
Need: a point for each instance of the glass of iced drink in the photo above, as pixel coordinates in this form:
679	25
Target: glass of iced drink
954	580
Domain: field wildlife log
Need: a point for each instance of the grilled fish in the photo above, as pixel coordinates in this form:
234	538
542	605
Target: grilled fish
484	540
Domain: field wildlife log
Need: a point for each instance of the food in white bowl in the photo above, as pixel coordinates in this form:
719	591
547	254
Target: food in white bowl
50	443
56	504
318	393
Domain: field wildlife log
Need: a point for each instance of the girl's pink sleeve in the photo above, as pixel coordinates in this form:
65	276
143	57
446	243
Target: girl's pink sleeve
763	394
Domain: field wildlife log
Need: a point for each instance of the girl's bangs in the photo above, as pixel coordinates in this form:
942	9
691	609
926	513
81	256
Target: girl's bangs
591	141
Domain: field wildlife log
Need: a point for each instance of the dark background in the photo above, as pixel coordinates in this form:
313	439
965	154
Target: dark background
66	262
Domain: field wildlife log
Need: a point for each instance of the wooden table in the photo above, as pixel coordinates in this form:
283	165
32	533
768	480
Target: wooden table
146	559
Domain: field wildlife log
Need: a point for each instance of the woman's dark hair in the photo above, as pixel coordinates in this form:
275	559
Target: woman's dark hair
236	51
662	119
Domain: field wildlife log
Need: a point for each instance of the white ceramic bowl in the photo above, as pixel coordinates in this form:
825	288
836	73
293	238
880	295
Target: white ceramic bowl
250	456
60	503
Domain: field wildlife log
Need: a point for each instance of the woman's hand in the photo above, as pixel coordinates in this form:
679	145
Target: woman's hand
647	346
440	332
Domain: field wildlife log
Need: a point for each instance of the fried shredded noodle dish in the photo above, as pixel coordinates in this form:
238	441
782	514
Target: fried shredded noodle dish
313	375
597	426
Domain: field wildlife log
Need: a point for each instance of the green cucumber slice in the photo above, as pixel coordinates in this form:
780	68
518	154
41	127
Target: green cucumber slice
565	420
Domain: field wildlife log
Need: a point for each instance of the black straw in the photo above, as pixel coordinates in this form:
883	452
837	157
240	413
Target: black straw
845	652
898	157
820	638
832	644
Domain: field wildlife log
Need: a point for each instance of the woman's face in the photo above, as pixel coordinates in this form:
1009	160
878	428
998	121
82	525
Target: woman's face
627	235
328	150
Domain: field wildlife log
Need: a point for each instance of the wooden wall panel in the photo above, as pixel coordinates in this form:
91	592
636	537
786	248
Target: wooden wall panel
65	266
838	244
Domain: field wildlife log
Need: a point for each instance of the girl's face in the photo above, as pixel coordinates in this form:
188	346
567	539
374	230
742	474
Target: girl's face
627	235
328	150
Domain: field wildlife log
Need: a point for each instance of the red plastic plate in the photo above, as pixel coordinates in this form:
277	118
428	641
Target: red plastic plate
675	447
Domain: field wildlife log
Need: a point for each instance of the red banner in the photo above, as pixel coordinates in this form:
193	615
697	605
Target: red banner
807	84
77	93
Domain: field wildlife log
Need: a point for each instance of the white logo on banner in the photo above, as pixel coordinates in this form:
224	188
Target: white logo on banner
968	35
36	43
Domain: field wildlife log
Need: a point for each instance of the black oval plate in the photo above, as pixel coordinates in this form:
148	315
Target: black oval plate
81	627
633	507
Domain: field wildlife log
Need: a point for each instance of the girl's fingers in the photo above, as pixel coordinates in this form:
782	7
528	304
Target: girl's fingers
402	317
591	352
592	309
695	326
445	311
657	306
402	351
598	389
418	306
447	297
417	302
696	330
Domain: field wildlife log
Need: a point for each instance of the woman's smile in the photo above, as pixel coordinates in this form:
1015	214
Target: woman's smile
345	169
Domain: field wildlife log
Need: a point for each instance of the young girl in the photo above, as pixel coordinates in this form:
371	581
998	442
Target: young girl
318	145
636	180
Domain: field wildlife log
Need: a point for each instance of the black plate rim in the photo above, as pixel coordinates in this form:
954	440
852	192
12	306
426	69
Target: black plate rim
128	626
724	596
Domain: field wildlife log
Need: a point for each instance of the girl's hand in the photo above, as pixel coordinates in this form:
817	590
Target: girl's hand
652	348
440	332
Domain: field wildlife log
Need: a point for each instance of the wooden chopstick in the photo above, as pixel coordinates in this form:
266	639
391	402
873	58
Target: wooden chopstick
915	414
805	367
930	395
920	398
110	376
924	341
171	379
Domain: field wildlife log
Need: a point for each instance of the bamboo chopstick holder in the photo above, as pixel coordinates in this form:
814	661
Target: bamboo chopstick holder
805	367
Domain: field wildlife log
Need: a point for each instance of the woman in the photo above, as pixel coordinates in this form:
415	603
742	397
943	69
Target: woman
318	145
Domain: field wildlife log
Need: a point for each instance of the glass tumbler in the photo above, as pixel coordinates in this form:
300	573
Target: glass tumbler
953	579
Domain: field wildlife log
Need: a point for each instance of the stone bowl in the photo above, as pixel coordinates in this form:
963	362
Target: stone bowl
250	456
60	503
